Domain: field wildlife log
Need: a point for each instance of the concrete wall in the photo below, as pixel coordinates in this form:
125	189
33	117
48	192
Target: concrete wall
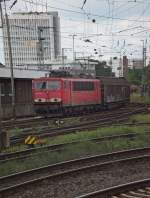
27	110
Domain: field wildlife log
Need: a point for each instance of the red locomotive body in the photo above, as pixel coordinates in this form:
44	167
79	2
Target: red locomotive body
65	93
76	94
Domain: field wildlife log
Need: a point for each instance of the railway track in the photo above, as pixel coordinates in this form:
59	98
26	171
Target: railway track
47	132
77	177
137	189
19	155
41	121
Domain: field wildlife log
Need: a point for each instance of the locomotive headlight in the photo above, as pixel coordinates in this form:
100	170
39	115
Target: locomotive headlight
40	100
55	100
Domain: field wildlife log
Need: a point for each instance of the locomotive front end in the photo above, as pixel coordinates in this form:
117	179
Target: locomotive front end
47	95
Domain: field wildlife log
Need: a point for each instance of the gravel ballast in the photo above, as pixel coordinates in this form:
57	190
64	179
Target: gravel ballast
85	181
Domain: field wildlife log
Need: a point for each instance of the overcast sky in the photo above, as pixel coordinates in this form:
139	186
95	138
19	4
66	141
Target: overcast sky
113	27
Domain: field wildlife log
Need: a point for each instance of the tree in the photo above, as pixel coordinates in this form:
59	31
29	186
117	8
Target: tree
134	76
103	70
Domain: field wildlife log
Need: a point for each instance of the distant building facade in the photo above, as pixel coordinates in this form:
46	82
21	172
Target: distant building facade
35	38
125	66
137	63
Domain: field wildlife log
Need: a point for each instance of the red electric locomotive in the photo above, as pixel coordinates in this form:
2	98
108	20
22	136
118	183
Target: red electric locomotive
65	94
75	94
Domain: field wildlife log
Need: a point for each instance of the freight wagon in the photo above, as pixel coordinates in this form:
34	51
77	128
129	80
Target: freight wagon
116	91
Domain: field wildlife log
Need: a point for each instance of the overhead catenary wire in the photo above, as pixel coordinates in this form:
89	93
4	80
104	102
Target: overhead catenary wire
80	34
91	14
33	2
127	8
143	12
84	2
87	13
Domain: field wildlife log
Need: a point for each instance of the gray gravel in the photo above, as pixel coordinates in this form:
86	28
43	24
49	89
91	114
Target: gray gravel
74	184
16	179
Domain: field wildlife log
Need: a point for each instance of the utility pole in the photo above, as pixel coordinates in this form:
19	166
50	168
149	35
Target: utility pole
1	15
63	54
11	61
143	54
144	57
63	58
0	120
120	65
40	43
4	135
73	45
40	49
144	64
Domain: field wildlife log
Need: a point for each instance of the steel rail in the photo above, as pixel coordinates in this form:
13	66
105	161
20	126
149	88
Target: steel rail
83	126
125	190
42	121
96	160
5	157
34	184
26	122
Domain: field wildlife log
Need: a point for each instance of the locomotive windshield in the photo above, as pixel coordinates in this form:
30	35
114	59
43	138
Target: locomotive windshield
53	85
40	85
50	85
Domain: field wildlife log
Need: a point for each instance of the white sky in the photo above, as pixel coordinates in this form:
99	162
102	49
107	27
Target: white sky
119	26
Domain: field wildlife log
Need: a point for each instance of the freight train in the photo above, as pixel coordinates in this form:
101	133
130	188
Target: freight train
71	95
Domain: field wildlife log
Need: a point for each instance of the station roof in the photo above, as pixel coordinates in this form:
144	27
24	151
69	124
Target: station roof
21	73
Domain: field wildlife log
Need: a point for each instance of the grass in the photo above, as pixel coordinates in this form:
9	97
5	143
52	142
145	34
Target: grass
85	148
15	131
72	152
100	132
140	118
137	98
81	149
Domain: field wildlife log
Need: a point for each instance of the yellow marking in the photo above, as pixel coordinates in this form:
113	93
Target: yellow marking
27	139
31	140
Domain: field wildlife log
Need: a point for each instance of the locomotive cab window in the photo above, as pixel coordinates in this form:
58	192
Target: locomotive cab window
53	85
65	84
40	85
83	86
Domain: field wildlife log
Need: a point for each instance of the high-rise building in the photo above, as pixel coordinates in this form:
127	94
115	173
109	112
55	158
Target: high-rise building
35	38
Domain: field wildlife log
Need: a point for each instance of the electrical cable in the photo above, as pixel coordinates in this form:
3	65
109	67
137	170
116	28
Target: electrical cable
92	14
